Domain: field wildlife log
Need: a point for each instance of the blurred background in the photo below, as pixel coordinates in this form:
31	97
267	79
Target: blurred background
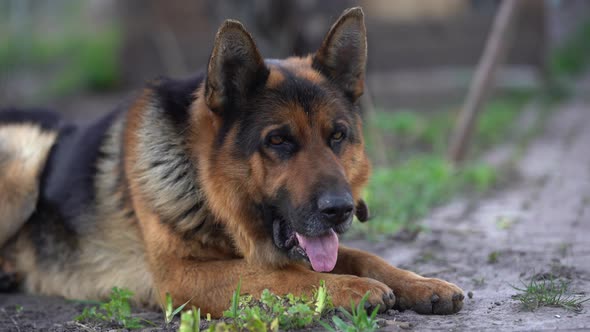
83	58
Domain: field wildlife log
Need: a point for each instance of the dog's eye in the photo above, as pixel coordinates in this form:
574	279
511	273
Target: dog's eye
337	136
276	140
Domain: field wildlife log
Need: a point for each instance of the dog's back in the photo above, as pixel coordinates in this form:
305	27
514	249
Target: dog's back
56	180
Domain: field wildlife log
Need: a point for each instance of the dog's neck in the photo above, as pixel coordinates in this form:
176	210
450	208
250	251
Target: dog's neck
167	176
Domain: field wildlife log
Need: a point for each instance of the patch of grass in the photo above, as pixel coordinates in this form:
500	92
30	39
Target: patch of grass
117	310
549	292
406	130
400	195
573	56
190	321
409	132
498	117
272	312
79	60
493	257
418	177
359	319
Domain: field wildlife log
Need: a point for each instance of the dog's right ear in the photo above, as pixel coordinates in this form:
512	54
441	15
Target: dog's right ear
235	68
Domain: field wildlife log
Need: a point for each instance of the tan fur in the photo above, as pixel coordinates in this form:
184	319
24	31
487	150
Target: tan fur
301	67
107	257
113	258
275	77
23	150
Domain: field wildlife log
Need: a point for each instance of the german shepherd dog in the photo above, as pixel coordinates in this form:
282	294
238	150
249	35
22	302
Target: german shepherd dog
249	172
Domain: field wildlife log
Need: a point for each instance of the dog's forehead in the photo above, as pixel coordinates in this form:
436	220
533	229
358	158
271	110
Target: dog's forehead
294	86
303	104
293	68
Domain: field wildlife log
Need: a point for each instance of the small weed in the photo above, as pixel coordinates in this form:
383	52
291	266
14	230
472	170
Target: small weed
272	312
478	282
504	223
563	249
493	257
117	310
18	308
549	292
169	311
426	256
190	321
360	320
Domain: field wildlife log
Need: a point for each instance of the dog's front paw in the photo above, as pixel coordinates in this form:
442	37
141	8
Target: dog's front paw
430	296
354	288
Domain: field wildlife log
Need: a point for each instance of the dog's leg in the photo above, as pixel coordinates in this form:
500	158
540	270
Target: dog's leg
210	284
414	292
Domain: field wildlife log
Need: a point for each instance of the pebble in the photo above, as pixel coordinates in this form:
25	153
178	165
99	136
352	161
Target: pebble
470	294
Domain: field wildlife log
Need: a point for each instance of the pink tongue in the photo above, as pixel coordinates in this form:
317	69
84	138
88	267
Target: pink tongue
322	250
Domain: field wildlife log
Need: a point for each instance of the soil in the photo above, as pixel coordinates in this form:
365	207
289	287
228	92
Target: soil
539	225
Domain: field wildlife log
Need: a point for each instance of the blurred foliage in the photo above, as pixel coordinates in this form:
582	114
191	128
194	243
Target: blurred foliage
69	46
400	195
573	56
84	62
419	177
409	132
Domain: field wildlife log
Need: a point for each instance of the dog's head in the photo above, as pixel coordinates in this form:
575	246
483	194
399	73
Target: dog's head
289	132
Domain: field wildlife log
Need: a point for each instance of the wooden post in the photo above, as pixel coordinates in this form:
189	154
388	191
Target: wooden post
493	54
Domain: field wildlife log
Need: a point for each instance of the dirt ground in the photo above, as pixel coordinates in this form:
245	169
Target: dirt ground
538	225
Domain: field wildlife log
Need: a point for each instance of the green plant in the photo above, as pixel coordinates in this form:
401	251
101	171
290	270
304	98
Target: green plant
413	131
271	312
78	60
549	292
117	310
400	195
190	321
235	303
169	311
493	257
419	177
360	320
573	56
498	117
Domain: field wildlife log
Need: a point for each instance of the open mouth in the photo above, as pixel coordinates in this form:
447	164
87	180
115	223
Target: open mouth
321	251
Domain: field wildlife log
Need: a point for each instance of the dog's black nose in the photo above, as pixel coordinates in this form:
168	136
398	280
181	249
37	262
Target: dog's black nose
336	208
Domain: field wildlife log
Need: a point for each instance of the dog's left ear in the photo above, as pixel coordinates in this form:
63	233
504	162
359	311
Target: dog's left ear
362	211
235	68
343	54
